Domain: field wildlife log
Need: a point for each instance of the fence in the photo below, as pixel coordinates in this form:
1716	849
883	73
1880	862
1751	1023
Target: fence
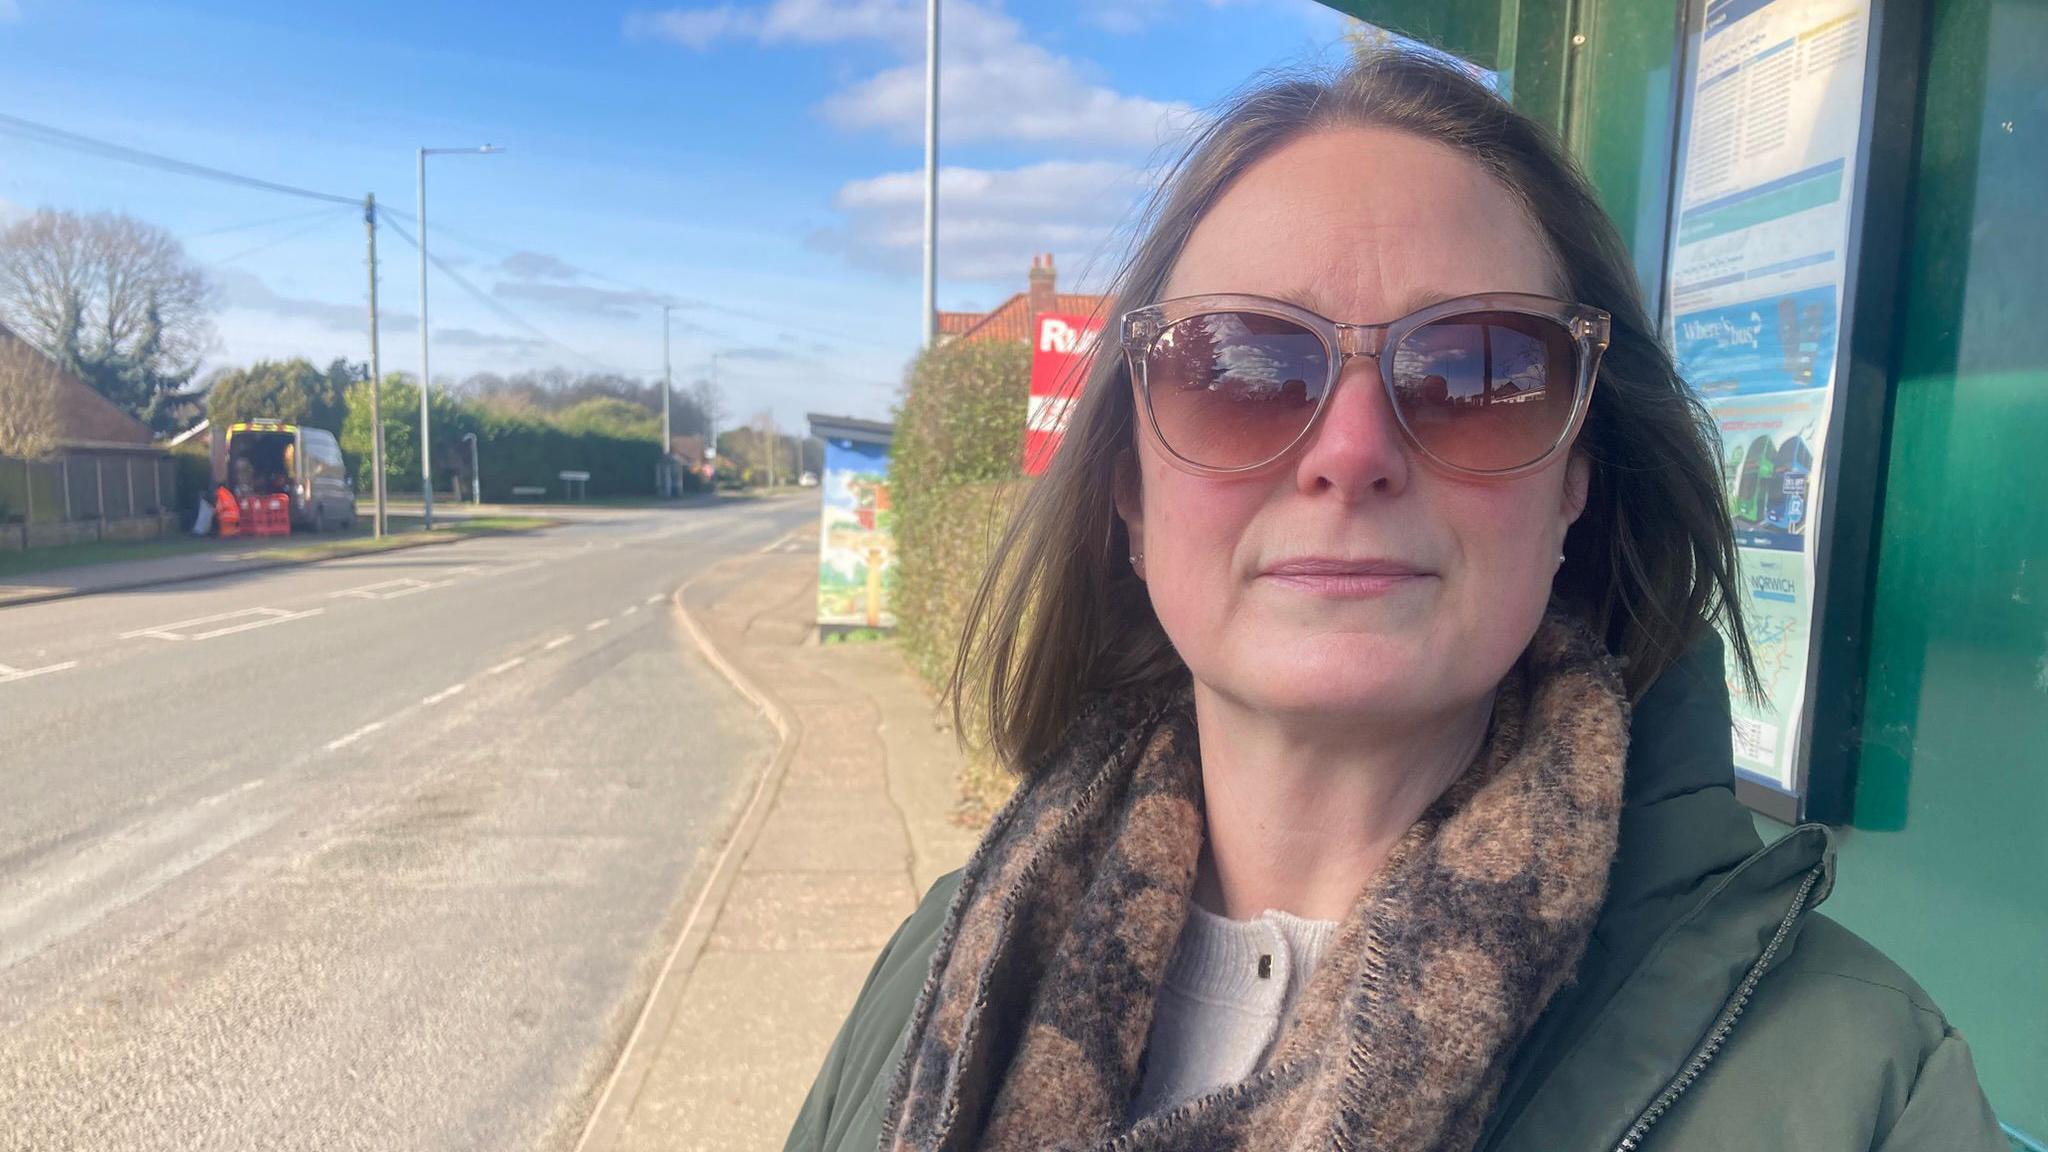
85	494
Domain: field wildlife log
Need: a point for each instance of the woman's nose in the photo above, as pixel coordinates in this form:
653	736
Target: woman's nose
1356	448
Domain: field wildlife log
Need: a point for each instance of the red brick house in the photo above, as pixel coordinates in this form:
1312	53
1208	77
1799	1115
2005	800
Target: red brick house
106	478
1015	318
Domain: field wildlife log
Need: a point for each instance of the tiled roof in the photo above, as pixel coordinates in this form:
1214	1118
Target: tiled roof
1012	320
84	417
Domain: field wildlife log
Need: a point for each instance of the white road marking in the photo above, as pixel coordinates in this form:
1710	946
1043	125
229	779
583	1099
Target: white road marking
389	589
557	642
358	734
249	617
8	675
654	599
507	666
594	625
443	694
630	609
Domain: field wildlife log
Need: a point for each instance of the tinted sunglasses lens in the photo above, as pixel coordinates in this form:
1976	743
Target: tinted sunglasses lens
1487	391
1234	389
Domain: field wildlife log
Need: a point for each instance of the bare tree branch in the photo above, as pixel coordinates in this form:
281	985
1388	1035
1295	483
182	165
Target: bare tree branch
108	296
28	401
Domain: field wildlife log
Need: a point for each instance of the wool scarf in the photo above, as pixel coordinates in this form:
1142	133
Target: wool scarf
1029	1034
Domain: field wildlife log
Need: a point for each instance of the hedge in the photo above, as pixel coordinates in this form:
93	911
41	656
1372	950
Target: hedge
959	440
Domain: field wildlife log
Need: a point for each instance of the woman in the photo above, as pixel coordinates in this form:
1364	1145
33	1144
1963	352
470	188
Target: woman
1357	654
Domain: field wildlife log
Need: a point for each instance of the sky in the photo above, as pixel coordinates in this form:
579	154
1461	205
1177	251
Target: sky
759	165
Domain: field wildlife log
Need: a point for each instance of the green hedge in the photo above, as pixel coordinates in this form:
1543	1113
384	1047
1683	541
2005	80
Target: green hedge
519	453
513	451
953	473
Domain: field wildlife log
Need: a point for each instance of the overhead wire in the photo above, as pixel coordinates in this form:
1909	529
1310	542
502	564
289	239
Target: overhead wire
63	138
322	214
496	306
294	234
48	134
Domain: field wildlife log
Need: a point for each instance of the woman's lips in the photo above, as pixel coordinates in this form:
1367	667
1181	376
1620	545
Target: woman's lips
1323	576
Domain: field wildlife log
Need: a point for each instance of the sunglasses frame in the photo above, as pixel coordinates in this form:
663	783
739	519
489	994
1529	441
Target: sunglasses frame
1589	327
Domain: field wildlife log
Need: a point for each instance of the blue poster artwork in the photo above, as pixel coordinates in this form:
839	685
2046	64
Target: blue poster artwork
1777	344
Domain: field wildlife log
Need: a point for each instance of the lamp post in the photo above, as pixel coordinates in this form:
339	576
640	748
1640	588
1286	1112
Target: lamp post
426	433
667	386
476	473
930	327
711	422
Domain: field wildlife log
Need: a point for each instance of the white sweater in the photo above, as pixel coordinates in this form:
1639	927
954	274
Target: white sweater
1227	990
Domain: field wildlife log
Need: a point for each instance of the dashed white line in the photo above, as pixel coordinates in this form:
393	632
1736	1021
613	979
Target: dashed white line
8	675
594	625
358	734
443	694
507	666
630	609
557	642
654	599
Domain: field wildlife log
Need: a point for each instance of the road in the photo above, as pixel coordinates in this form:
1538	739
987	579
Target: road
380	853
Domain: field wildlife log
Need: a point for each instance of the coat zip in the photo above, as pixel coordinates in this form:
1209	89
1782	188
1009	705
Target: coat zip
1724	1024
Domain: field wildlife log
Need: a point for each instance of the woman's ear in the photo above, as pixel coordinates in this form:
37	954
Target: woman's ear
1578	477
1129	493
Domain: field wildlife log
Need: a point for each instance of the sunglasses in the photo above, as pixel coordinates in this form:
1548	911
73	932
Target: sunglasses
1492	385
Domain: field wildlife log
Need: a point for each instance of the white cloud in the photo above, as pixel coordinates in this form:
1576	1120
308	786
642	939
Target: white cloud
1026	94
693	28
991	222
995	84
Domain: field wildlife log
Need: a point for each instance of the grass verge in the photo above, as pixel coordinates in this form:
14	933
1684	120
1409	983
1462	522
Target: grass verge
404	533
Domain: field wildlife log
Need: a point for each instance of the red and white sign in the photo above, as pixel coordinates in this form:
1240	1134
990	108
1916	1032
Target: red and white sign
1061	350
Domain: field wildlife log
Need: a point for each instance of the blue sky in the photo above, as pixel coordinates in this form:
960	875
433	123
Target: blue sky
759	163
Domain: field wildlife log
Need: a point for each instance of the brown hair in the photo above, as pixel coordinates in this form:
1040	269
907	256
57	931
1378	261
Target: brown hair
1060	616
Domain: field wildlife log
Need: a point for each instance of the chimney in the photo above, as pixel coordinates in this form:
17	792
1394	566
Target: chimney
1043	296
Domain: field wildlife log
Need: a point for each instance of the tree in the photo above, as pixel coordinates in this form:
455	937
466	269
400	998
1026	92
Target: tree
611	416
110	298
292	390
28	400
401	406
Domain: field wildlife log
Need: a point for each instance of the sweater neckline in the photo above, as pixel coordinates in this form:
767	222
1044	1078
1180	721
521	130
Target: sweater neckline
1232	961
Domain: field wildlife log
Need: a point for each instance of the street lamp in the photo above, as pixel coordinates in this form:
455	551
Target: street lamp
476	472
426	436
667	386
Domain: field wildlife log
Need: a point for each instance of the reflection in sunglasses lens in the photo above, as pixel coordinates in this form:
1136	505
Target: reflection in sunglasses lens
1234	389
1486	391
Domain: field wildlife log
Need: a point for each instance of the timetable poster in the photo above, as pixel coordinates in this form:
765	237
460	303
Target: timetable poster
1758	260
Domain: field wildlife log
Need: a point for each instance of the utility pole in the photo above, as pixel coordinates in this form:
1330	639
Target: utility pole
376	371
667	386
931	171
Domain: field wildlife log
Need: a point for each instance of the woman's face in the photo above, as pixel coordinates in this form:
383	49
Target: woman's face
1354	579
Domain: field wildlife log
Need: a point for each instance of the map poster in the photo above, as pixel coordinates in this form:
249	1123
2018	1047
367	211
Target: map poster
1772	134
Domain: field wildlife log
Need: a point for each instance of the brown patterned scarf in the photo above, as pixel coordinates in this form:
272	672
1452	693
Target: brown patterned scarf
1030	1033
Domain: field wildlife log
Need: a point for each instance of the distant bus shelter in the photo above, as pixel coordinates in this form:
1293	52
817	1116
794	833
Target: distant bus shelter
856	541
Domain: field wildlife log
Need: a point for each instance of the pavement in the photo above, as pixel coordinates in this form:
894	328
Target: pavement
384	852
847	828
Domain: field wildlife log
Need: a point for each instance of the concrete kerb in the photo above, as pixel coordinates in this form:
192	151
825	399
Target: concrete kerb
615	1103
46	597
